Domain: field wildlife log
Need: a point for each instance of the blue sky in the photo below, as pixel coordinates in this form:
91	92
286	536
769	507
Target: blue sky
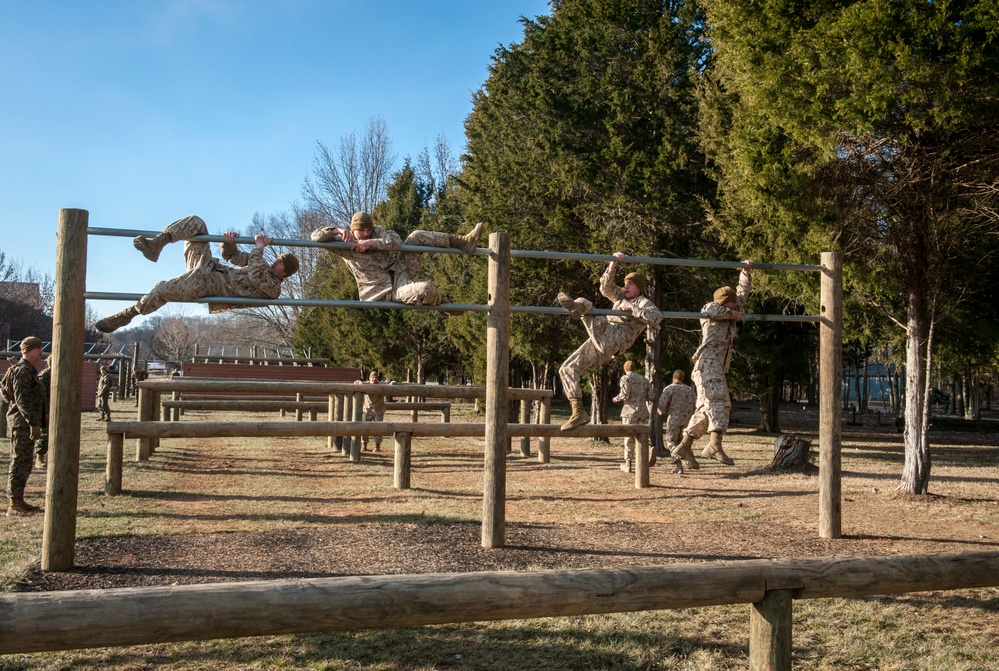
145	111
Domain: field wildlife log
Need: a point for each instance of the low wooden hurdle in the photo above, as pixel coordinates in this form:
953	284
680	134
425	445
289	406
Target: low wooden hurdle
46	621
403	432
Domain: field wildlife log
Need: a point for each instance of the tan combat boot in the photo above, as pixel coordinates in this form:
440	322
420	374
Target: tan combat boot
40	461
469	242
579	415
151	247
626	466
717	453
682	451
18	508
117	320
652	456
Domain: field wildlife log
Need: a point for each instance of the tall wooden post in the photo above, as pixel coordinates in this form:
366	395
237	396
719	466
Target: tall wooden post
403	464
358	415
68	322
497	392
830	381
525	418
544	443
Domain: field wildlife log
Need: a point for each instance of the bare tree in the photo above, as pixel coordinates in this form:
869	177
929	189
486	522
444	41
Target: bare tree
352	177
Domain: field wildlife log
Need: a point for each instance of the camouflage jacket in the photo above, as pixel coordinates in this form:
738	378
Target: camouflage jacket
105	385
644	312
718	331
372	268
251	279
25	395
637	393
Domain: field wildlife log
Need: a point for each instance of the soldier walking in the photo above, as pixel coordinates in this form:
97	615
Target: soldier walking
22	390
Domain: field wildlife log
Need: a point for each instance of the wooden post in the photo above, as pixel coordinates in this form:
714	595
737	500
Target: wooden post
358	416
348	413
112	473
446	414
68	318
830	380
525	418
641	458
157	405
770	632
142	449
331	443
403	460
544	443
298	411
338	404
497	392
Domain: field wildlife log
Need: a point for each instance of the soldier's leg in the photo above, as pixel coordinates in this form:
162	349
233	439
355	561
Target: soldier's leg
195	283
415	293
182	229
629	452
22	456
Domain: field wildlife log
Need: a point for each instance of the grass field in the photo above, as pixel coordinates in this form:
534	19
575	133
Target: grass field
224	509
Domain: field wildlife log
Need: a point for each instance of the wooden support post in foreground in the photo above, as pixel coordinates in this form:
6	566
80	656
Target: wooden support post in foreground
497	392
641	458
770	632
355	441
348	415
145	414
68	319
545	442
112	471
403	460
830	381
525	418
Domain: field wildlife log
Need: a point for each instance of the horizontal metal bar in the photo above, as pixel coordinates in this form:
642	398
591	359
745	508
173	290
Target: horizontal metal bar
443	307
515	253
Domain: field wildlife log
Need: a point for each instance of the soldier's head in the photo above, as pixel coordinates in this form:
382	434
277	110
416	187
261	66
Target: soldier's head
286	264
360	225
104	370
630	366
726	296
678	376
373	378
31	349
634	285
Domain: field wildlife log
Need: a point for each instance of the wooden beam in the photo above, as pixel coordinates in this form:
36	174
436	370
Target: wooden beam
830	403
190	384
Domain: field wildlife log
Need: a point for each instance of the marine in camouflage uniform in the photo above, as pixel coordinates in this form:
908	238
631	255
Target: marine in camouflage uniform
711	363
206	275
676	405
379	275
608	335
42	444
373	411
104	386
636	393
26	414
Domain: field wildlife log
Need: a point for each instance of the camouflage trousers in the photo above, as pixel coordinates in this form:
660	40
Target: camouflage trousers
630	442
406	289
605	341
42	444
103	406
22	459
371	415
203	276
673	431
713	402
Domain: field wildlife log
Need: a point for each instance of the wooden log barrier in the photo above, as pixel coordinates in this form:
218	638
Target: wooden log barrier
46	621
443	407
244	405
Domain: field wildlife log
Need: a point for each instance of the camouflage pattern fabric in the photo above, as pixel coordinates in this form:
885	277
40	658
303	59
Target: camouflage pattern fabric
207	276
26	409
636	393
608	335
42	444
382	277
711	362
676	404
104	387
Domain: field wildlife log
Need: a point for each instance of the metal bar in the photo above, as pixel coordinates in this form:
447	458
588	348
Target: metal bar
443	307
515	253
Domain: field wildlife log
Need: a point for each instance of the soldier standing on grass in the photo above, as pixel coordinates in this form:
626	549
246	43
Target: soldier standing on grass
22	390
636	392
104	395
711	362
373	411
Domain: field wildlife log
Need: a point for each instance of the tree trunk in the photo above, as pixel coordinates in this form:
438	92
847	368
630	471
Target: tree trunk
653	348
916	469
770	404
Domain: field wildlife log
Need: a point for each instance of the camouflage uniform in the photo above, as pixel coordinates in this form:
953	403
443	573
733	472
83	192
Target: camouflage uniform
27	409
42	444
676	404
636	393
206	276
104	387
711	362
373	411
608	335
379	276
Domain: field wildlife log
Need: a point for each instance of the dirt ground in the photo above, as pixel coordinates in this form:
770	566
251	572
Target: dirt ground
290	509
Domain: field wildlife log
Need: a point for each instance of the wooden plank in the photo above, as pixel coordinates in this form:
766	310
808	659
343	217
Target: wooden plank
287	428
325	388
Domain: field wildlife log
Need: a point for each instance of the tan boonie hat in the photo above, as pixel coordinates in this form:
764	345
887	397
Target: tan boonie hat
638	280
30	343
724	295
290	263
361	220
